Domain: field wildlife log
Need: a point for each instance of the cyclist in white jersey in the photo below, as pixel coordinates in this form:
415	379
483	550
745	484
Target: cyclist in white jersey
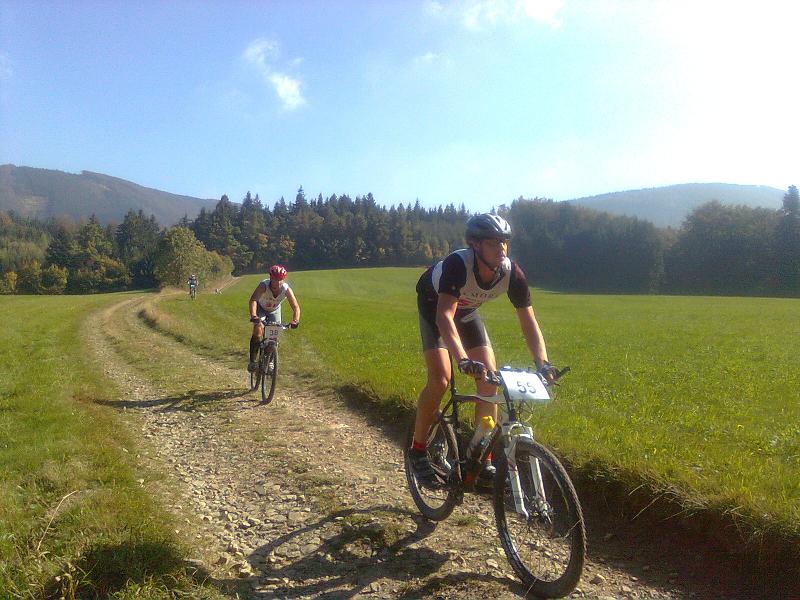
265	301
448	296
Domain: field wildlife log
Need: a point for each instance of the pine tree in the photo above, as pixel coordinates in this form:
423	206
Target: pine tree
787	242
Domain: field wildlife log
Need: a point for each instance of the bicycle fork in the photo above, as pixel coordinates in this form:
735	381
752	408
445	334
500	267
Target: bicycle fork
515	432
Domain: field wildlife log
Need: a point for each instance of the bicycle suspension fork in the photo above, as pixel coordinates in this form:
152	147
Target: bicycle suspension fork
514	432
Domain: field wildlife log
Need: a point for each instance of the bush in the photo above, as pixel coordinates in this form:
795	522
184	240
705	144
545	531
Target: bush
54	280
29	280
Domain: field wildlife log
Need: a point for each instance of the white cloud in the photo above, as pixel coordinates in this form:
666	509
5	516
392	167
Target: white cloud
288	90
543	11
433	8
483	15
427	59
260	52
263	54
6	68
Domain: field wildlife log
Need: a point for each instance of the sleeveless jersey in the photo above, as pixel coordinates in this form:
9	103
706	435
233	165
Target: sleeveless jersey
269	302
456	276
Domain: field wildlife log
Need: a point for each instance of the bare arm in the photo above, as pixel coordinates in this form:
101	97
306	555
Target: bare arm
254	299
533	335
295	306
445	315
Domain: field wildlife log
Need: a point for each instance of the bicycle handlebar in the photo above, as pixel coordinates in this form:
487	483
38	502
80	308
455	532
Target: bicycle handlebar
281	325
493	377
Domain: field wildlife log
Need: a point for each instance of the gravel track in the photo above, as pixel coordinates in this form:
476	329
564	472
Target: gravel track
306	497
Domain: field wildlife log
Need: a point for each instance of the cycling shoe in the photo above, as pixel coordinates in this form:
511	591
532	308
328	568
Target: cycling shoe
485	478
423	471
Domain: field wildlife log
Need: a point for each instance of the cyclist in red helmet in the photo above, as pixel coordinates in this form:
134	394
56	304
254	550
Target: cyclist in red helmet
265	301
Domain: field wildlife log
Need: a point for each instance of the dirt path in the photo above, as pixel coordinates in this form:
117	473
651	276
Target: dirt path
306	497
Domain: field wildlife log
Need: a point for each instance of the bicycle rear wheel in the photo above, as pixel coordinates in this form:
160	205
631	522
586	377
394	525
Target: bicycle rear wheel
437	504
269	367
548	548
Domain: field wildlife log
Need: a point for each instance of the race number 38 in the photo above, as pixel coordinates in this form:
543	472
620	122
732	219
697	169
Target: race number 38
525	386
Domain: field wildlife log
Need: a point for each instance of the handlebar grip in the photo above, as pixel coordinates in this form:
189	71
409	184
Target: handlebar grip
561	373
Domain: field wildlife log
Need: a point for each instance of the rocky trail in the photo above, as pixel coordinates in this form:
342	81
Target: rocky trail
306	497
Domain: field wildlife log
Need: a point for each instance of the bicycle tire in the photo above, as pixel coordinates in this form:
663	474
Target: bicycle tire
435	505
547	551
255	376
269	375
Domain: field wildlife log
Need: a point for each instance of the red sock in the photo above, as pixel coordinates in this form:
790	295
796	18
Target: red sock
488	459
419	446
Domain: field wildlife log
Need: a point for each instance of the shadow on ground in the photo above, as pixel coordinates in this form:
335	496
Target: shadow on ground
106	569
191	401
363	553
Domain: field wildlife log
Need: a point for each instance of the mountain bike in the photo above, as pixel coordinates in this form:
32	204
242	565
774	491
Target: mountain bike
266	373
193	291
537	512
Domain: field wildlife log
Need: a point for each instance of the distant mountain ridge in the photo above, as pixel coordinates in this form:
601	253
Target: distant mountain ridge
45	193
668	206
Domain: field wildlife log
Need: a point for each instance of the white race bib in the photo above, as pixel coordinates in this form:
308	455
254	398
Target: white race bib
525	386
272	331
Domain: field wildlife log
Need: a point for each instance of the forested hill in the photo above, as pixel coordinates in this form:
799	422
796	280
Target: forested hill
45	193
669	206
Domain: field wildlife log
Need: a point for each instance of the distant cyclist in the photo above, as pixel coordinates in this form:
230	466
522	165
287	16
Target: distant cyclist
192	284
265	301
448	296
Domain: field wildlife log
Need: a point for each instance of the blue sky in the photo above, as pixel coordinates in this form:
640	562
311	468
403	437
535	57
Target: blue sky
477	102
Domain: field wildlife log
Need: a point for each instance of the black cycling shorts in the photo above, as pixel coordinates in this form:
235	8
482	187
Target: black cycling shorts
472	332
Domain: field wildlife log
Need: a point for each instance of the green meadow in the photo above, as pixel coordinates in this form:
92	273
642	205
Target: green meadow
692	397
74	521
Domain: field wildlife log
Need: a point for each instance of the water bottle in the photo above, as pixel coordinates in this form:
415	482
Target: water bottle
477	445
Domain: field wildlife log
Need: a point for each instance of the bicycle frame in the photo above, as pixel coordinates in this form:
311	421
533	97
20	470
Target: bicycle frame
508	428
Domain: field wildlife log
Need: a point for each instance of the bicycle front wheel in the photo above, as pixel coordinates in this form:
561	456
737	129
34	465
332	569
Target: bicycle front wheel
255	376
546	548
270	375
434	504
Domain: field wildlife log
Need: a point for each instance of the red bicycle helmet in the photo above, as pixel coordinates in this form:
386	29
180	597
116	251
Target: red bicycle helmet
277	272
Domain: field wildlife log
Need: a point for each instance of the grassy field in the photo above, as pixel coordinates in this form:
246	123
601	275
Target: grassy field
74	522
693	397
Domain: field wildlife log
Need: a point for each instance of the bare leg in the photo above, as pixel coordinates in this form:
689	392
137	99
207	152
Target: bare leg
484	354
437	362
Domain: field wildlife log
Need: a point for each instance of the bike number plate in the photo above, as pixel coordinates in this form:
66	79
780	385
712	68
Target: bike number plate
272	332
525	386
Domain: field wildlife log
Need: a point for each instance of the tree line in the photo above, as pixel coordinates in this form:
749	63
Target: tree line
719	249
337	231
60	256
